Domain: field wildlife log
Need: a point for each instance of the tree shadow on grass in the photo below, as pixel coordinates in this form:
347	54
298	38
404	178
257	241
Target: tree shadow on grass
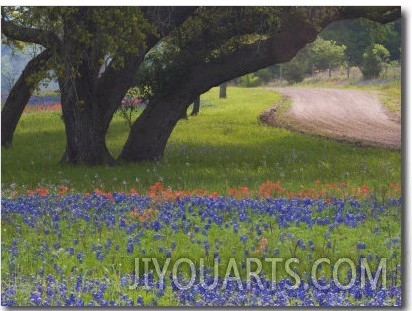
223	162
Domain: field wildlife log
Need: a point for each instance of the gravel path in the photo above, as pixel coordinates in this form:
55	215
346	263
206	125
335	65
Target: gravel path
348	115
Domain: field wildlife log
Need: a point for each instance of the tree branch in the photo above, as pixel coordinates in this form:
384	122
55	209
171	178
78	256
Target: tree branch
45	38
380	14
111	93
299	29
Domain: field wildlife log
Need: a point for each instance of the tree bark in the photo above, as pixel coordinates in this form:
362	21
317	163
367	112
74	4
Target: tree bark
86	142
20	95
196	107
222	90
84	125
151	131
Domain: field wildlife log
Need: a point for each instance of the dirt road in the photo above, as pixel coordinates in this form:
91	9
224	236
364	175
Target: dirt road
348	115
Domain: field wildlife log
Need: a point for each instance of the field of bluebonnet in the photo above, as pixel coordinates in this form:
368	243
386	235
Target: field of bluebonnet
307	239
80	249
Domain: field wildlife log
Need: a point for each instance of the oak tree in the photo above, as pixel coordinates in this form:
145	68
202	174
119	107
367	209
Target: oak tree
173	54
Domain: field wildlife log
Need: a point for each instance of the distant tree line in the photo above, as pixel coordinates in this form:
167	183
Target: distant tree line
363	43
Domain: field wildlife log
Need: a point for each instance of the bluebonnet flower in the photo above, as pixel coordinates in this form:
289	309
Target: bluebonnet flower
35	298
122	223
131	228
71	300
50	279
140	301
12	290
14	249
98	295
156	225
41	271
282	237
311	246
130	246
49	291
100	256
108	243
207	247
78	284
301	244
123	281
158	236
80	257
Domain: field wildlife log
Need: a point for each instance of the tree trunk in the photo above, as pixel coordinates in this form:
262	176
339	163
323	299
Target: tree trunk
222	92
85	127
280	73
20	95
151	131
196	107
85	140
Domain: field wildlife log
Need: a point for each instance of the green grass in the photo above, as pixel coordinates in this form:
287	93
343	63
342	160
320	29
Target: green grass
225	146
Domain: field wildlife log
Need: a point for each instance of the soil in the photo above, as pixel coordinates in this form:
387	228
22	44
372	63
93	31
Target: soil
345	115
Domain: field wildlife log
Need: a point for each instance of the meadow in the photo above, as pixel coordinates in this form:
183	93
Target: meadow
229	189
224	147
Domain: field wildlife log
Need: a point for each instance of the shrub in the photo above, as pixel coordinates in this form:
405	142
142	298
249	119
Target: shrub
294	71
373	60
249	80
